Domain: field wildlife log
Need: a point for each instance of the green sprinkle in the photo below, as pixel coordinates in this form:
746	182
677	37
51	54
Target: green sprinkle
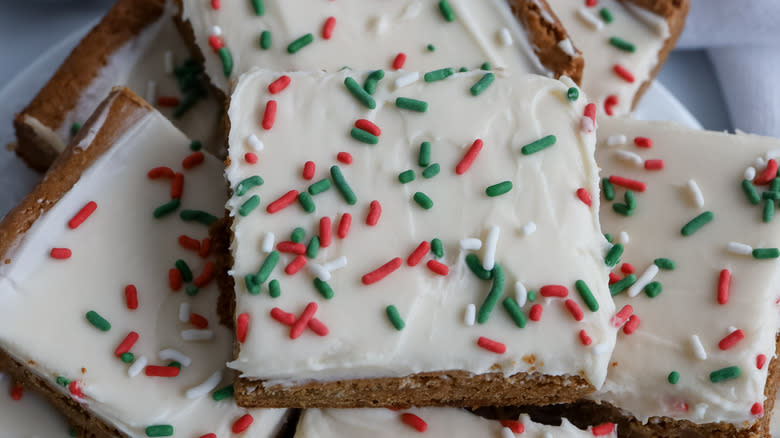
323	288
463	69
297	235
606	15
372	80
674	376
424	158
257	5
431	48
608	189
198	216
499	189
306	202
395	317
653	289
300	43
411	104
252	285
622	209
247	184
770	195
191	290
750	192
766	253
622	285
75	128
342	186
423	200
62	381
630	199
532	295
485	66
227	61
769	209
196	145
98	321
572	94
696	223
265	40
622	44
472	261
665	264
167	208
609	238
313	247
249	205
437	248
274	289
446	10
319	187
438	75
613	255
538	145
496	290
431	171
775	186
159	430
223	393
724	374
363	136
586	295
515	312
406	176
184	269
127	357
359	93
267	267
174	364
482	84
72	432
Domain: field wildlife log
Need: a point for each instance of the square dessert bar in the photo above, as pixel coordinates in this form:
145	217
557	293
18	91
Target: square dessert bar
417	35
136	44
431	242
107	298
624	42
695	277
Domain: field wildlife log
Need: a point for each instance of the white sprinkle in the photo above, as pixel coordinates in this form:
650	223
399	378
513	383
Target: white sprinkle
382	23
740	248
171	354
204	388
268	242
407	79
491	243
701	409
505	37
254	142
732	329
750	173
617	140
698	349
184	312
151	92
521	293
319	271
567	47
623	238
587	125
335	264
600	349
137	366
471	315
197	335
507	433
168	62
412	10
470	244
216	31
760	164
696	196
528	228
630	157
773	154
643	280
589	19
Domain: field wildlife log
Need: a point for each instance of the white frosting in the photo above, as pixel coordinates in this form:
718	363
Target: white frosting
681	328
567	246
28	417
591	35
120	244
383	29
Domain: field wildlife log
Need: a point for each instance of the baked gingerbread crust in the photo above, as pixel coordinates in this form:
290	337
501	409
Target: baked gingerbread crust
124	21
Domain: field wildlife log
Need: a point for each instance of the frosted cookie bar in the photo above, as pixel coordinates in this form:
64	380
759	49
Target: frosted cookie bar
437	233
24	413
624	42
413	35
136	44
107	298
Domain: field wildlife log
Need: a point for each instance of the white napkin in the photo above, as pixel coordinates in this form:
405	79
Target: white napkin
742	38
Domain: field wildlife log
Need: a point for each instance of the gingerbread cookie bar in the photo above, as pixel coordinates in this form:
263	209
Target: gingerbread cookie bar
413	35
24	413
136	44
437	232
107	293
624	42
695	260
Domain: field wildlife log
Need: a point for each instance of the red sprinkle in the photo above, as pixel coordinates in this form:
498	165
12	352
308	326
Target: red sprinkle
731	340
17	390
514	426
468	159
301	323
344	223
760	361
127	344
767	175
627	183
613	278
418	254
296	265
554	290
199	321
623	73
610	102
187	242
291	247
269	116
374	212
242	423
591	3
368	126
399	61
631	325
160	172
535	314
279	85
414	421
574	309
326	234
205	277
283	202
584	338
590	111
757	409
327	28
209	435
205	247
438	267
603	429
131	297
491	345
643	142
174	279
168	101
193	160
584	196
160	371
215	4
250	157
242	327
724	283
627	268
344	157
318	327
282	316
654	164
75	389
216	43
308	170
622	316
61	253
382	272
82	215
177	186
